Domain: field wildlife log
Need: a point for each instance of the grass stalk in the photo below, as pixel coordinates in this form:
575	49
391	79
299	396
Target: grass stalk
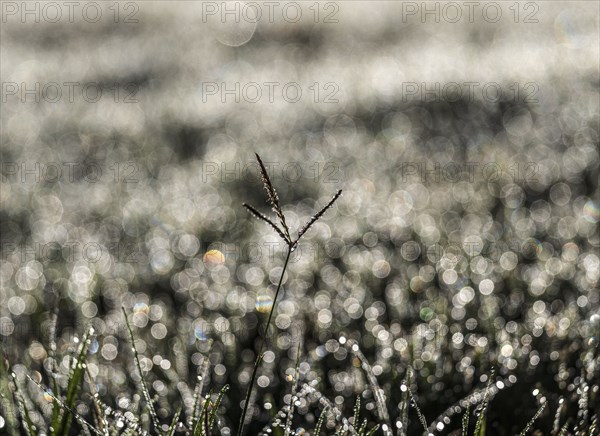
259	357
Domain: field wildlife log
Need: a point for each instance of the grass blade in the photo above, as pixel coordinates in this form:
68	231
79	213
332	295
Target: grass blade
564	429
27	423
101	417
52	370
84	424
356	414
201	427
374	385
532	420
173	425
556	424
321	420
404	404
481	421
6	396
465	420
145	390
422	419
363	428
215	407
373	430
198	390
75	382
290	414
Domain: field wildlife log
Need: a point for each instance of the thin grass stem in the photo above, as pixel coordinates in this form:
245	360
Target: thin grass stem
259	357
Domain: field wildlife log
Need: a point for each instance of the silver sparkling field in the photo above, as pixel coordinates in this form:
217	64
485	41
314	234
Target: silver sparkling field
459	265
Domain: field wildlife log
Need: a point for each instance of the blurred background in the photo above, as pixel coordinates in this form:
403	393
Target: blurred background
464	136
